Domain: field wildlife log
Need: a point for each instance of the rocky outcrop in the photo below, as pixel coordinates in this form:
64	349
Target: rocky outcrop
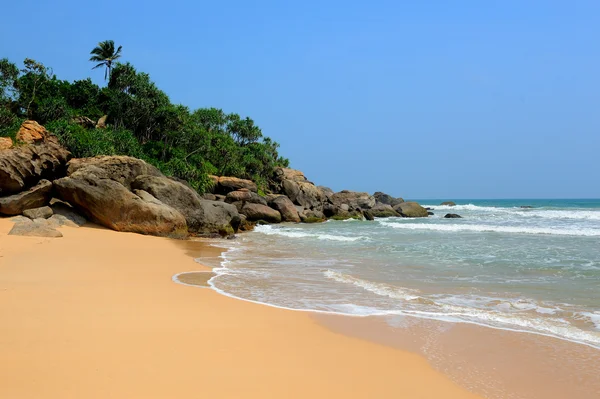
354	200
448	203
23	166
452	216
111	204
244	195
312	216
121	169
411	210
293	184
43	212
31	132
285	207
5	143
256	212
202	216
387	199
35	197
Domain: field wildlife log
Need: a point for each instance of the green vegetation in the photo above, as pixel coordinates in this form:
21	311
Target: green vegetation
141	122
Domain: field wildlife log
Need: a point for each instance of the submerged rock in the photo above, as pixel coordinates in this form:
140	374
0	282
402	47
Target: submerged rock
452	216
448	203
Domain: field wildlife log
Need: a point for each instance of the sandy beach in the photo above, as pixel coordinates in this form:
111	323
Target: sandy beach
95	314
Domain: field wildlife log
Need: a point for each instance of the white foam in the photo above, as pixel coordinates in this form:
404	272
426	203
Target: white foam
296	233
404	294
593	317
578	214
587	232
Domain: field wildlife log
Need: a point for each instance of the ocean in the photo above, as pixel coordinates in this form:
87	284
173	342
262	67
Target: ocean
502	265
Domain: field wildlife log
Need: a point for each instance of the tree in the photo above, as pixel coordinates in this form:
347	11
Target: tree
104	54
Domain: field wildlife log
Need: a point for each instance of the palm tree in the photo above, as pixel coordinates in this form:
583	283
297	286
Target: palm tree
104	54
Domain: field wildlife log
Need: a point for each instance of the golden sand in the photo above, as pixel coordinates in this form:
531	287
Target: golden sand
95	314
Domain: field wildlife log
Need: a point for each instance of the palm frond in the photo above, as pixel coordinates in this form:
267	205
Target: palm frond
99	65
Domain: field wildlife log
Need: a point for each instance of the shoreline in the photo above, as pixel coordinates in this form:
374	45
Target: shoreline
548	380
85	322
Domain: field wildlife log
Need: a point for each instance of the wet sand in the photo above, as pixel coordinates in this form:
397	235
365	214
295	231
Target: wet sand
95	314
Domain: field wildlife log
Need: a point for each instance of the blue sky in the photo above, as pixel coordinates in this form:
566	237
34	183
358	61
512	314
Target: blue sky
421	99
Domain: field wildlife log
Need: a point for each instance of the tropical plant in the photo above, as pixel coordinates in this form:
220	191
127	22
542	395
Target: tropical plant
104	54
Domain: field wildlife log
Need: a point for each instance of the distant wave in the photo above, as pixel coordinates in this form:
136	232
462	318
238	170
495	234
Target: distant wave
587	232
270	230
534	212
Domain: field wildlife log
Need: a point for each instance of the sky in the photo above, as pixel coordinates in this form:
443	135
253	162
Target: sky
419	99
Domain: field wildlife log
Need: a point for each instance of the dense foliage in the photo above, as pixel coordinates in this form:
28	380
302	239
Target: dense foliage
141	122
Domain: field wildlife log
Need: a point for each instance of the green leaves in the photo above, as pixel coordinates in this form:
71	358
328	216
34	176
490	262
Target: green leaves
105	55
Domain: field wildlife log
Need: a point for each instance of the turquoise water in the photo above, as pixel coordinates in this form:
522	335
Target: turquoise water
533	269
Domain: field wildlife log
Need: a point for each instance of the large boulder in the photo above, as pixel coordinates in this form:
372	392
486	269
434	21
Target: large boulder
312	216
411	210
23	166
5	143
355	200
244	195
122	169
111	204
255	212
226	184
31	132
387	199
202	216
383	211
35	197
285	207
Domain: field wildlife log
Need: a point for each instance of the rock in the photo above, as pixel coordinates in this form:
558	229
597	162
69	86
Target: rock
355	200
227	184
255	212
452	216
203	217
294	185
219	197
411	210
109	203
244	195
43	212
383	211
5	143
312	216
286	208
327	192
448	203
526	207
66	214
31	132
35	197
24	166
387	199
122	169
84	121
430	213
101	124
209	196
368	214
35	228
